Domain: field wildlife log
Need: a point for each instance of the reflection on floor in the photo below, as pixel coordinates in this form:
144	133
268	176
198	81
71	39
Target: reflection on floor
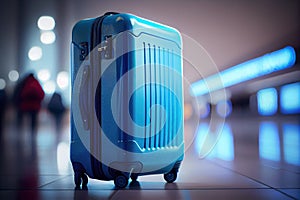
253	159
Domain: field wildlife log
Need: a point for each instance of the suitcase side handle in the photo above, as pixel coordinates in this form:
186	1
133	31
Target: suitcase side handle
83	101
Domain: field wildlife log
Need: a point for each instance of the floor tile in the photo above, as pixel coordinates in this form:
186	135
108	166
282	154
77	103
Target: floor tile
40	168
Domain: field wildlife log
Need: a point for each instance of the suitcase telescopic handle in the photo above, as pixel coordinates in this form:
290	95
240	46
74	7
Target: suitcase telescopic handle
111	13
83	97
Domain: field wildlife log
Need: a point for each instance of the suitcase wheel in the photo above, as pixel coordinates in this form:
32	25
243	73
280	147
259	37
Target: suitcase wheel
78	177
171	176
84	180
121	181
134	177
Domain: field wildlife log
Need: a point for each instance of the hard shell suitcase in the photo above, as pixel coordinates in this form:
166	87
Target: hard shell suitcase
127	99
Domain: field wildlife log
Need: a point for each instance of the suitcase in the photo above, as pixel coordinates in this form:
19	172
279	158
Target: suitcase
127	99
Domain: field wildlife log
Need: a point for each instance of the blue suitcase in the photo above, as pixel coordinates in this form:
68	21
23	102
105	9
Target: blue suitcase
127	99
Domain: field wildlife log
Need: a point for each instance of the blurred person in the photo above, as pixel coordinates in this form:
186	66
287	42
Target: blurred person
28	96
57	109
16	99
3	100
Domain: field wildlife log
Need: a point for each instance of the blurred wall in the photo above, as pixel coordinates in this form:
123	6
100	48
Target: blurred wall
231	31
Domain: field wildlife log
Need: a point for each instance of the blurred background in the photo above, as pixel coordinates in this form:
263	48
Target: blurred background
260	116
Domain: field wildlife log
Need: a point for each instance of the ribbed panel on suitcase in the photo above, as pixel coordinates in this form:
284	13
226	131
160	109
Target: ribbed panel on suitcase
155	58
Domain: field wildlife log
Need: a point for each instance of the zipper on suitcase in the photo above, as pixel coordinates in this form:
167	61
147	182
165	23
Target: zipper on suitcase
97	166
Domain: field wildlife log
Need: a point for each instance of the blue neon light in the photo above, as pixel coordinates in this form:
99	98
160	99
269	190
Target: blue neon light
290	98
267	101
225	147
202	132
266	64
269	144
291	143
224	108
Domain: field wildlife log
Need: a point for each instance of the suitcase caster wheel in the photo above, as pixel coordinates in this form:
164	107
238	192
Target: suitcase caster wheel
121	181
77	180
78	177
84	180
134	177
170	177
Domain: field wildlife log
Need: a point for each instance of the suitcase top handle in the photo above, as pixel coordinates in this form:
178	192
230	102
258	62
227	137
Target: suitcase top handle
111	13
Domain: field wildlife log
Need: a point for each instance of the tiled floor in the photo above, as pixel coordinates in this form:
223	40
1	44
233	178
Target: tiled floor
255	158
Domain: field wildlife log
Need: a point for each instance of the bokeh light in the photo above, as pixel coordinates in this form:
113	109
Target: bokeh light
49	87
290	98
204	109
224	108
35	53
2	84
44	75
46	23
48	37
62	79
267	101
13	75
188	111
